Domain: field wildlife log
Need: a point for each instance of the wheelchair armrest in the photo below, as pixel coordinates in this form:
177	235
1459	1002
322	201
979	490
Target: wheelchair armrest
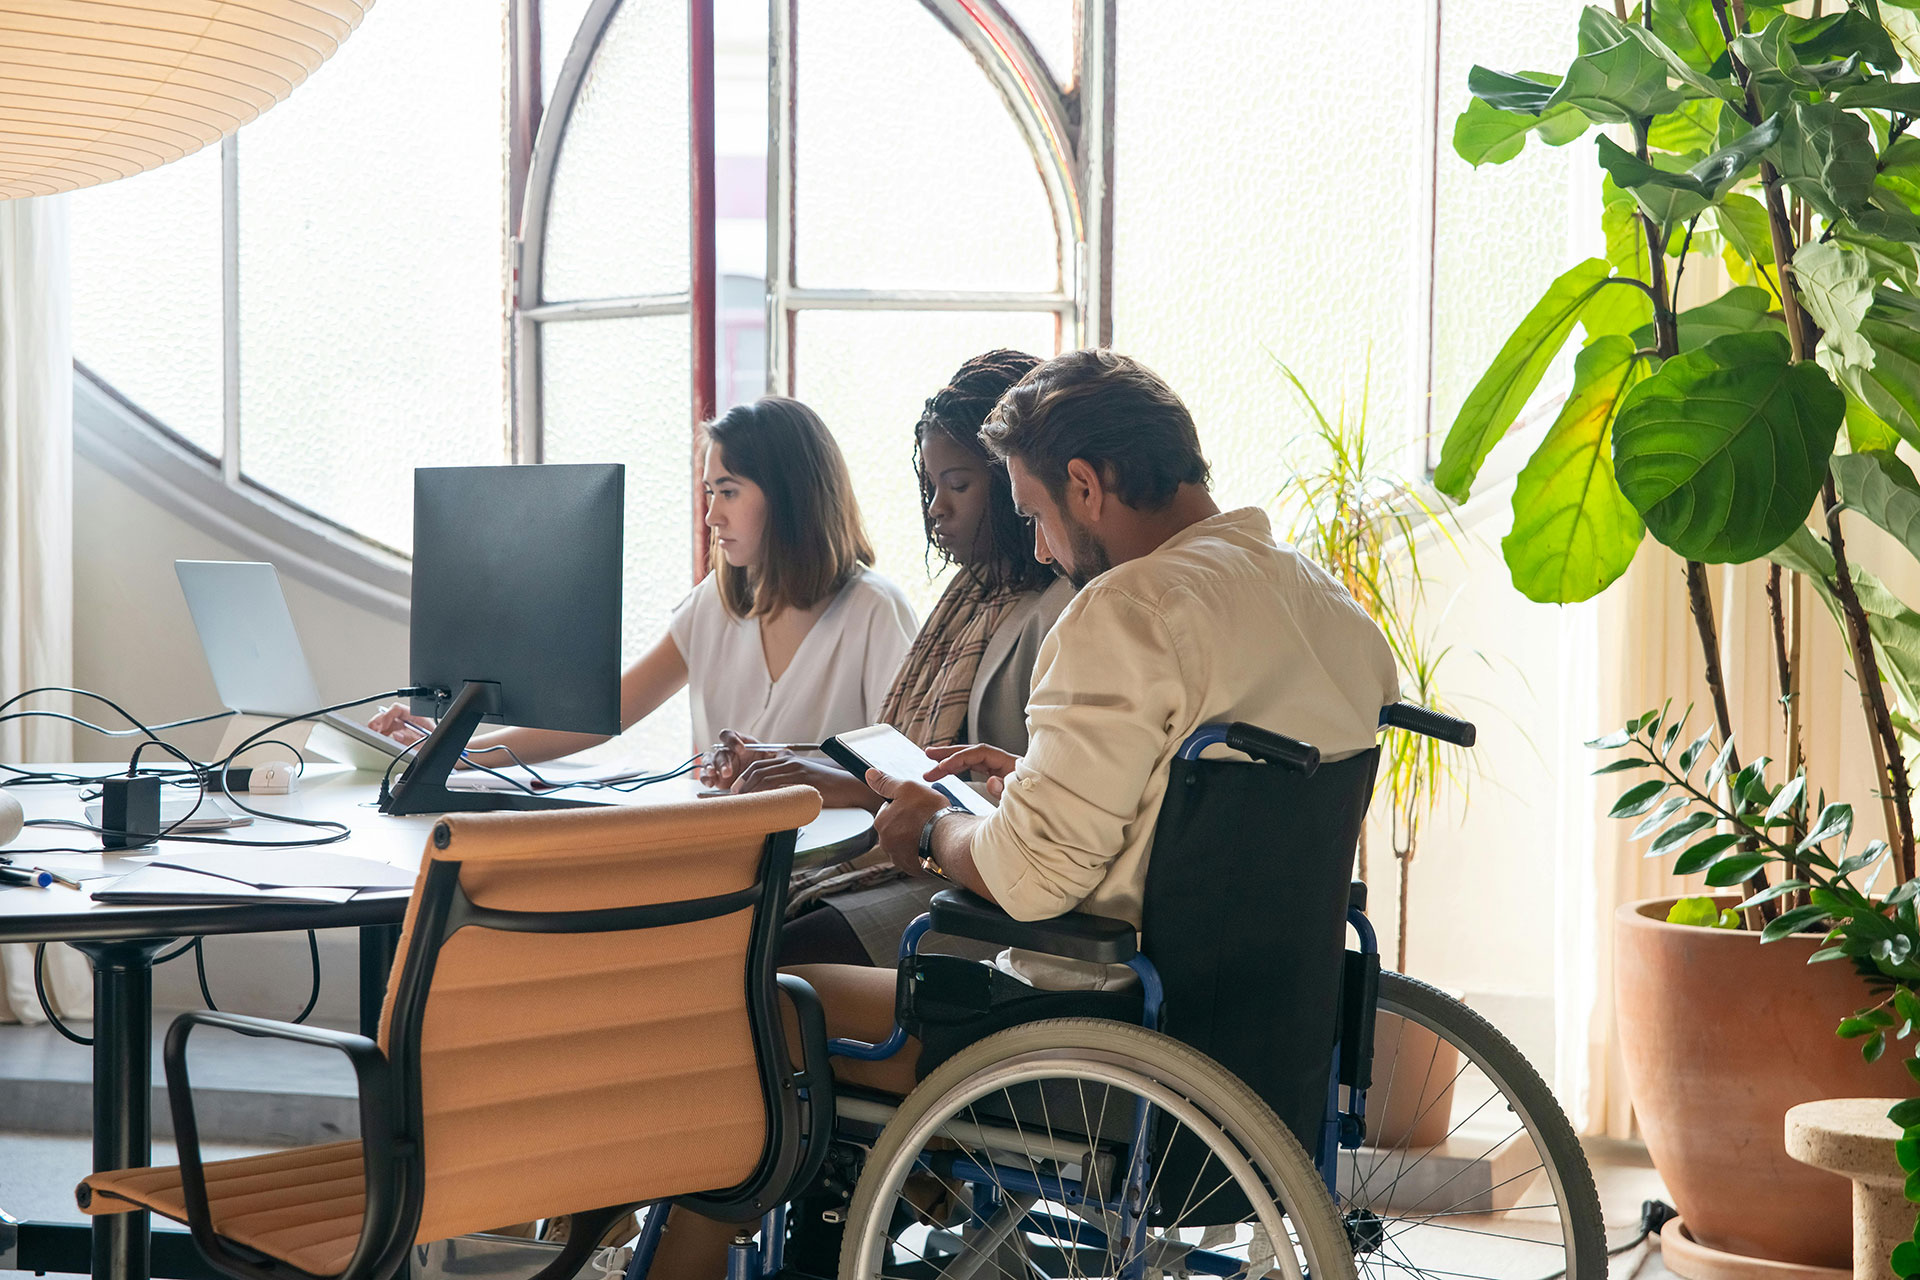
1075	935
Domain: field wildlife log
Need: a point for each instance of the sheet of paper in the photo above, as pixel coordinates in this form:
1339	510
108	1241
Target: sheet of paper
161	884
290	868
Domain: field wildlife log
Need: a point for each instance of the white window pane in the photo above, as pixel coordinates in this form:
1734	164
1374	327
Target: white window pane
559	24
372	286
618	224
618	391
146	292
1276	223
908	170
1050	25
868	374
1513	214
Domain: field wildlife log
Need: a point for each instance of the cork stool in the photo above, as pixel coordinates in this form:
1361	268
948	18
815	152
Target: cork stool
1853	1138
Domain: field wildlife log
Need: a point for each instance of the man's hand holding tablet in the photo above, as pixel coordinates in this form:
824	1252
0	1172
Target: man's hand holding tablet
885	750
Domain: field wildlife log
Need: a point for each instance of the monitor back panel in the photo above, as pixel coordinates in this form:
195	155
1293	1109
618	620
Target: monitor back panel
247	634
517	579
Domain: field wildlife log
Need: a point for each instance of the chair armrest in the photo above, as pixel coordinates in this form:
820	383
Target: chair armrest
814	1073
386	1149
1075	935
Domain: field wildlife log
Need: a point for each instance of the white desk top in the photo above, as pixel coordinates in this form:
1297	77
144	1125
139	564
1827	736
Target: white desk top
333	792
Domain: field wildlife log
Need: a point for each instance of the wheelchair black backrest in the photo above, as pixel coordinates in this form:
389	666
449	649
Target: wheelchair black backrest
1245	919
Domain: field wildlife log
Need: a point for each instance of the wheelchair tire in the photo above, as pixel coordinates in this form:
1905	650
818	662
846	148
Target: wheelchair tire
986	1096
1395	1193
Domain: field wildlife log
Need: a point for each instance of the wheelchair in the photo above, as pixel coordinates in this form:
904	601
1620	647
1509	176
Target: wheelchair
1220	1116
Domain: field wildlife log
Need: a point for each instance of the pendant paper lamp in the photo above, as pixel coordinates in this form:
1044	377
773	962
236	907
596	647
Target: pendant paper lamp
93	90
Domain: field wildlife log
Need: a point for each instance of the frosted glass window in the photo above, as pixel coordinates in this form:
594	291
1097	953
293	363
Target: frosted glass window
1258	216
619	220
1502	230
908	170
372	293
1050	25
559	24
868	374
146	292
616	391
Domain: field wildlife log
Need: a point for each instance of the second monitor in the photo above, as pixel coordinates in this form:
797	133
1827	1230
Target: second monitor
517	577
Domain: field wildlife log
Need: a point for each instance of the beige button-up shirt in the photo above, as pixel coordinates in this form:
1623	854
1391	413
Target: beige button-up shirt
1218	623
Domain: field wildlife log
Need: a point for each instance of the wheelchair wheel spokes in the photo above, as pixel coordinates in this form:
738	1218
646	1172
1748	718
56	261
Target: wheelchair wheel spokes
1470	1168
1031	1155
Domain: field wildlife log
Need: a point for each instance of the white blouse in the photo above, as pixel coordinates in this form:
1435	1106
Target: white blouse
838	679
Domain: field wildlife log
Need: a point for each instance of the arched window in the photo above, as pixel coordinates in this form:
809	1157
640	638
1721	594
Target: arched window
910	198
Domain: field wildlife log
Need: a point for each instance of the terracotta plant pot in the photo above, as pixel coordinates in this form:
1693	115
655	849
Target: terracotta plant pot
1413	1075
1721	1035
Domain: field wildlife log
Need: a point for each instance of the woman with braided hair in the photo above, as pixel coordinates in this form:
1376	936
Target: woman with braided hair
965	679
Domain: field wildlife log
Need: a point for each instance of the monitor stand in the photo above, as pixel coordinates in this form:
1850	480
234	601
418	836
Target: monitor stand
422	787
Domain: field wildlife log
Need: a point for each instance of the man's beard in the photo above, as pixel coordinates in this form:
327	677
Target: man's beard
1090	558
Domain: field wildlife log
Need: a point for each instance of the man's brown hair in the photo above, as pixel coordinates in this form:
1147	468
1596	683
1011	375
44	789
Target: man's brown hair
813	542
1109	410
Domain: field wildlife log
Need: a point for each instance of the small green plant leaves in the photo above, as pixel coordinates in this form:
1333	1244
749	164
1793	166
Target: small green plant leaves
1678	832
1702	855
1735	868
1638	799
1651	823
1702	913
1788	923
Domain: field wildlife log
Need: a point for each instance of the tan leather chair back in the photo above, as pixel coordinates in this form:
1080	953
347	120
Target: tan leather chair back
565	1072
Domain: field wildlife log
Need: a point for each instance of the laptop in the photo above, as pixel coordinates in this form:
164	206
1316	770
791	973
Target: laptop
254	654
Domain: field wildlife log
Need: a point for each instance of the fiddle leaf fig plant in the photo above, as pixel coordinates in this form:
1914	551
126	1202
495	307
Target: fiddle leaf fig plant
1765	155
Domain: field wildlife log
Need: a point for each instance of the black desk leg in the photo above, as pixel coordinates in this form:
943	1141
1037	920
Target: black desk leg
378	942
122	1092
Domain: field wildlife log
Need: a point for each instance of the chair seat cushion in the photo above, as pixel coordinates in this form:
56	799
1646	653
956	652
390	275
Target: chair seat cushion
303	1206
858	1003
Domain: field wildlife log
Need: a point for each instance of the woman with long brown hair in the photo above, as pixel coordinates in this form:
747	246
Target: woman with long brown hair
792	636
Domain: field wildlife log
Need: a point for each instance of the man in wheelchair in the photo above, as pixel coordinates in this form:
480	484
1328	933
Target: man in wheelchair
1187	616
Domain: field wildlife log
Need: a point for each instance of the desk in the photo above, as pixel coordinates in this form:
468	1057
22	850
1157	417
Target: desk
122	941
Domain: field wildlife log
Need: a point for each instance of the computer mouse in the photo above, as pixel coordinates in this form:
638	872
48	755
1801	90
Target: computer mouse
275	777
12	818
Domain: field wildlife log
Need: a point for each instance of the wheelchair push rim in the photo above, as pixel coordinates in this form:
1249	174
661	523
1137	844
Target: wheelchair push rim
1499	1187
966	1183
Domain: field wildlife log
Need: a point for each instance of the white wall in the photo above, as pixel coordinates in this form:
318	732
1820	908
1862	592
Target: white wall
134	642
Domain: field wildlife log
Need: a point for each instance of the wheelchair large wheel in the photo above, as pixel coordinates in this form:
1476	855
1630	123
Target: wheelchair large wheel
1470	1168
1087	1148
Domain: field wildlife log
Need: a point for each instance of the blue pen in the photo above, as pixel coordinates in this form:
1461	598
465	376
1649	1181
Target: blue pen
22	876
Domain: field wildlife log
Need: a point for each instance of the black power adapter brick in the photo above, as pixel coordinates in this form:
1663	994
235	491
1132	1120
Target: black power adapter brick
129	812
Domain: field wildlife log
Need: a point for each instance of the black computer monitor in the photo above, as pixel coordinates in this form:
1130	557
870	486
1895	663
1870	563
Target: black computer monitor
516	615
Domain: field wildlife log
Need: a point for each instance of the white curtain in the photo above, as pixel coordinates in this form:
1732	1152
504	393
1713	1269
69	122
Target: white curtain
36	534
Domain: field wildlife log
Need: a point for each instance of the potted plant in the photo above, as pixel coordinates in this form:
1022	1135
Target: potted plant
1773	146
1360	520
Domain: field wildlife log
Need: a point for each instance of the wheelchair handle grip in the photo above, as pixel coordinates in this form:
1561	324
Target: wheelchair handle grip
1417	719
1274	748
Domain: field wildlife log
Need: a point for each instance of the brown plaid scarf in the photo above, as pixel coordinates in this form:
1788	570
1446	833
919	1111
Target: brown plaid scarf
928	703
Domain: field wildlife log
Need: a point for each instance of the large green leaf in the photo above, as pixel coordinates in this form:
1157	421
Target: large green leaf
1867	431
1902	96
1895	627
1529	92
1484	134
1723	450
1619	73
1891	388
1620	309
1574	532
1691	126
1503	390
1900	167
1827	157
1883	489
1690	29
1891	258
1668	197
1836	286
1845	34
1745	309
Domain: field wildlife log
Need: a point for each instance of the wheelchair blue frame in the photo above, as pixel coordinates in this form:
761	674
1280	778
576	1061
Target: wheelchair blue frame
1340	1129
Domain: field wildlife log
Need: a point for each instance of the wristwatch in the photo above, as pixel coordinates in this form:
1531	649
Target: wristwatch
927	863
